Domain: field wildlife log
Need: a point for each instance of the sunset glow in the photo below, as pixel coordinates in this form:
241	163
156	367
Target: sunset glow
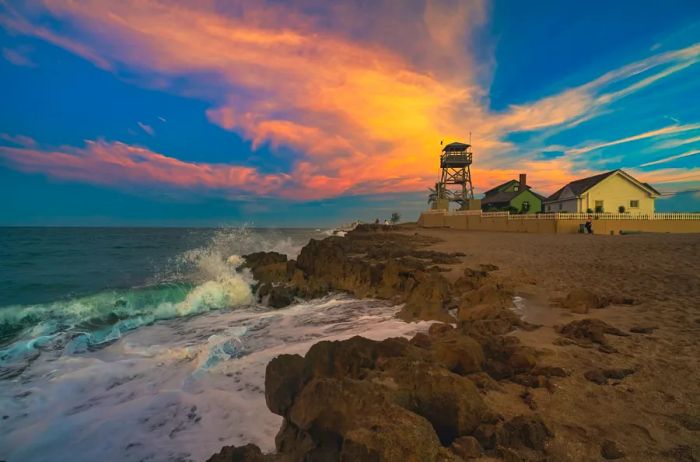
350	107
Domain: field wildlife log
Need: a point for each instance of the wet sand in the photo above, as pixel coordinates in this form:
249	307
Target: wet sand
653	414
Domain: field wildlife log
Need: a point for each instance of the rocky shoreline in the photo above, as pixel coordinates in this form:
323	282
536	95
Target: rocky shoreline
429	398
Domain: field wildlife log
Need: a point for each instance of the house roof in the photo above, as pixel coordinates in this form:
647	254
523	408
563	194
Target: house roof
579	187
455	147
496	188
504	197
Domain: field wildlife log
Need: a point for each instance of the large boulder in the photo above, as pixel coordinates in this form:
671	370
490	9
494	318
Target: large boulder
349	419
427	299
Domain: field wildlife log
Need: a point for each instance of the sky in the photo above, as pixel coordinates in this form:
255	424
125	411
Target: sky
315	113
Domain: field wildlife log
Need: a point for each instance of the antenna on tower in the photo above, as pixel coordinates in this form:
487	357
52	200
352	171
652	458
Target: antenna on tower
470	137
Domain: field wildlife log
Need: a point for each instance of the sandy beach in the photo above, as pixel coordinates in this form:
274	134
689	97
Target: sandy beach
654	413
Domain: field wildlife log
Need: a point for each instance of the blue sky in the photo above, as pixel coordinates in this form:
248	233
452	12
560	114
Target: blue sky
306	114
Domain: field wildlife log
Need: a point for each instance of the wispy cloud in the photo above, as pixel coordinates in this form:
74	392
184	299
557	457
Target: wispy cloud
19	140
18	56
670	158
669	130
147	128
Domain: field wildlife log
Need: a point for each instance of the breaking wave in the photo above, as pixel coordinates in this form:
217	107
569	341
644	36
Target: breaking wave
195	282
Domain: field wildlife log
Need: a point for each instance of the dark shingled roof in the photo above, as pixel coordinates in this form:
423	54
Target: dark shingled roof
486	193
505	197
455	147
579	187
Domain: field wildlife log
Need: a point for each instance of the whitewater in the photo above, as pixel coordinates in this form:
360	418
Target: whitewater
171	368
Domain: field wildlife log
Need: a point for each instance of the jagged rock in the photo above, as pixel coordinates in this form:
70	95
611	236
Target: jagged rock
589	330
466	447
452	404
353	420
460	354
528	431
247	453
583	300
610	450
427	299
688	421
643	330
439	328
281	296
284	377
601	376
258	259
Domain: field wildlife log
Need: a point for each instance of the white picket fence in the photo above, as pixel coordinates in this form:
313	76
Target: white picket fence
580	216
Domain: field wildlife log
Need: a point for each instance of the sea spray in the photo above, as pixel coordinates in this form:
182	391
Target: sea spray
175	390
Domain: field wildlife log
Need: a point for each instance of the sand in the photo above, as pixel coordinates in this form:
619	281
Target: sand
653	414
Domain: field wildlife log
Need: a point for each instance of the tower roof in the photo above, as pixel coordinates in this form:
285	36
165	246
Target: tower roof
455	147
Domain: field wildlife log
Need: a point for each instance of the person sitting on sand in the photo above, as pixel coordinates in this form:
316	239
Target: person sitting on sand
589	226
386	222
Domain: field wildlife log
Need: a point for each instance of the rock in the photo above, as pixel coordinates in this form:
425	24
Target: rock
551	371
437	329
281	296
528	431
427	299
589	330
582	300
487	435
284	377
352	420
488	267
452	404
466	447
642	330
691	422
609	450
247	453
258	259
601	376
460	354
274	272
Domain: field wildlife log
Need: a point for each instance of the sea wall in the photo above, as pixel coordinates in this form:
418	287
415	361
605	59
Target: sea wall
483	222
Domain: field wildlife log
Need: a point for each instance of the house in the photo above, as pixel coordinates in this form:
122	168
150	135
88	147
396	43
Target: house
512	195
614	192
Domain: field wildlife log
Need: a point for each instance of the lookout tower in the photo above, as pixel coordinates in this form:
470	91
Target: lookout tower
455	162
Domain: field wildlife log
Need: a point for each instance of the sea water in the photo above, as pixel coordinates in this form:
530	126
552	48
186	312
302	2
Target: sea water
147	344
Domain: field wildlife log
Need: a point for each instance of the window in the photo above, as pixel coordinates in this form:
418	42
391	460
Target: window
549	208
559	205
634	204
599	207
526	206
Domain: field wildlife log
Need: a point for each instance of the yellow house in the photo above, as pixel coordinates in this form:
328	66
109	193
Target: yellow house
612	192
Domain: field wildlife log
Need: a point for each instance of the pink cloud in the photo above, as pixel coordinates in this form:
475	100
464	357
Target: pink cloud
18	57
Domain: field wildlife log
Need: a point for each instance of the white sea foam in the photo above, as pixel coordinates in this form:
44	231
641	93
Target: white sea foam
175	390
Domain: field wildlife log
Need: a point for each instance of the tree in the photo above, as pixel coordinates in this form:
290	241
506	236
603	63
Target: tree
621	209
395	217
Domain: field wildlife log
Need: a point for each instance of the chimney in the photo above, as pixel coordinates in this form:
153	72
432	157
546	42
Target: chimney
523	181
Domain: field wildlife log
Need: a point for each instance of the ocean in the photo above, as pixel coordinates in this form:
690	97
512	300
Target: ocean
147	343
